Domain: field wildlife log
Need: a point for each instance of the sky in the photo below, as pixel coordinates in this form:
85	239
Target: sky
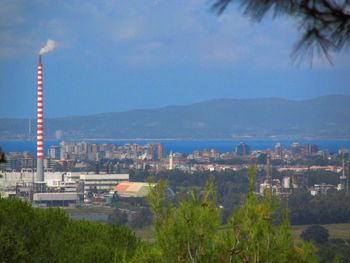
116	55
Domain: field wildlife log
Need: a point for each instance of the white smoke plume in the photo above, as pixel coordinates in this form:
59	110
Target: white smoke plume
50	45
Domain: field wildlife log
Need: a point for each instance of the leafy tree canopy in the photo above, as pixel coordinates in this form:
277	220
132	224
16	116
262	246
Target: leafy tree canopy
191	231
316	233
30	234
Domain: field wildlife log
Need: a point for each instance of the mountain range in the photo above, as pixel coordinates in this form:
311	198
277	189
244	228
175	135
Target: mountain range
261	118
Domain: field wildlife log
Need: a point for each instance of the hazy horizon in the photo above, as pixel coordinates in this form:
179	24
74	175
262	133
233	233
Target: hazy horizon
175	105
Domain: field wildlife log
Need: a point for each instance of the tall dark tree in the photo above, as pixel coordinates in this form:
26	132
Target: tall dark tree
324	24
118	216
316	233
142	219
2	156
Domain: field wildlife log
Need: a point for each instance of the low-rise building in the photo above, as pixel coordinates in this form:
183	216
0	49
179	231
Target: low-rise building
95	185
133	189
56	199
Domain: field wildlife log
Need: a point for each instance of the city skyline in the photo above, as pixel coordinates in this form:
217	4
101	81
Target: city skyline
114	56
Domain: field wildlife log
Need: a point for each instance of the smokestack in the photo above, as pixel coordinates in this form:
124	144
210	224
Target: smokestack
50	46
40	126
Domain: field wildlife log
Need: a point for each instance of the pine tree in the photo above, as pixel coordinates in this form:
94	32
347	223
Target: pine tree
192	232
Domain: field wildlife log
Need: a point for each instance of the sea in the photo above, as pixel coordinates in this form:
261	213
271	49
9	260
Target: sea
185	146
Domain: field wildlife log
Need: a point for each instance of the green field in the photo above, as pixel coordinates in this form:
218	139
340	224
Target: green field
341	231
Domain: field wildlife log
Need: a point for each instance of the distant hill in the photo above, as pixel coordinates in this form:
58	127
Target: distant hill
322	117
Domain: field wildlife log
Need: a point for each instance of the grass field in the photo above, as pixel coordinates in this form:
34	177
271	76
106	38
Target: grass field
341	231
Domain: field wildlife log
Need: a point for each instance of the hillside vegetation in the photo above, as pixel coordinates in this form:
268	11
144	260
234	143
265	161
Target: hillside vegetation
323	117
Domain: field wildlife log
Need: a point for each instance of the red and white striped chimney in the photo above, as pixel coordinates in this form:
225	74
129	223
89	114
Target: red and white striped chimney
40	125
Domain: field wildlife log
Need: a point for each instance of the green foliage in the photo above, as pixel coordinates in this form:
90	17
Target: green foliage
15	218
141	219
186	233
231	186
320	209
118	216
253	236
47	235
316	233
335	250
191	232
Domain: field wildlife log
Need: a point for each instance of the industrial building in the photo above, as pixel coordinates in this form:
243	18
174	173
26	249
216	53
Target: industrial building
132	189
95	185
321	189
56	199
59	188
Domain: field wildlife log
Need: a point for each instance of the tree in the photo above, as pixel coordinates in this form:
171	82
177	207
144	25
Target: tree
332	208
316	233
2	156
192	232
142	218
335	250
324	24
254	236
30	234
118	216
187	233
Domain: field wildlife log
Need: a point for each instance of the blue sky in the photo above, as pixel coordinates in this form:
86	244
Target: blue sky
118	55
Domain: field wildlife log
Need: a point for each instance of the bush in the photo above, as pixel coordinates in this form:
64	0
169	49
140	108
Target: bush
30	234
315	233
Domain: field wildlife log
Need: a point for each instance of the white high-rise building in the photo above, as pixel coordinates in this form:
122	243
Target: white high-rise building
171	161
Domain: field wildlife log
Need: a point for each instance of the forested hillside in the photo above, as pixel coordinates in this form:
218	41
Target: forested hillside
323	117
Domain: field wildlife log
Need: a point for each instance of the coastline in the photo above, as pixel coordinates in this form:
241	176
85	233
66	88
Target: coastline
185	145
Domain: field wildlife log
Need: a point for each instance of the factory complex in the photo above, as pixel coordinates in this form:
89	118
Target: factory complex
68	188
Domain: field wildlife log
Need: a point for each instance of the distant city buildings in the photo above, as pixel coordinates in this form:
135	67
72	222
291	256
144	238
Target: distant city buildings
242	149
278	151
18	160
93	152
156	151
171	161
295	149
308	149
82	172
86	156
54	152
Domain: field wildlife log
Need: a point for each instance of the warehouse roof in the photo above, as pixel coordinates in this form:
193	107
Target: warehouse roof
132	189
